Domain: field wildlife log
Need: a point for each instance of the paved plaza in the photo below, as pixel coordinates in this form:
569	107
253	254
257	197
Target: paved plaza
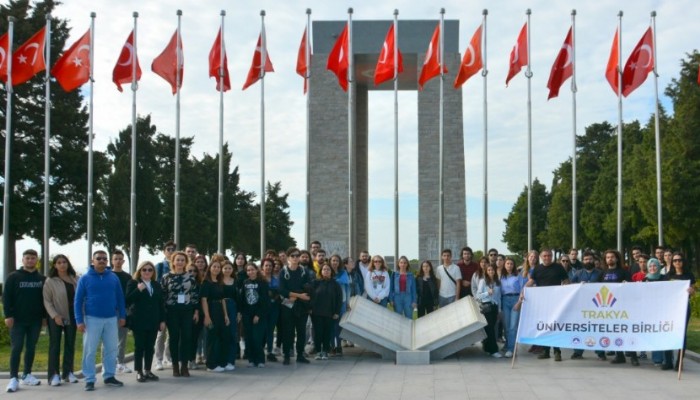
363	375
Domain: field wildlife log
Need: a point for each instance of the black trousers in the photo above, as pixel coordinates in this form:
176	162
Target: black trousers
179	321
144	347
197	331
490	345
19	334
425	309
218	337
55	334
255	338
292	324
323	332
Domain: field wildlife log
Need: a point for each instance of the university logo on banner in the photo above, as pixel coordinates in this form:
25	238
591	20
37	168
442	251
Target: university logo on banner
606	316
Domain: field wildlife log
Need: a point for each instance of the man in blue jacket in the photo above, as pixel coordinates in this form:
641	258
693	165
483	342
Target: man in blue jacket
99	310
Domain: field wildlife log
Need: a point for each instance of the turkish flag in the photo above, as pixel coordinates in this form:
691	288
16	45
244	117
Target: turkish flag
386	62
72	70
639	64
166	64
563	67
4	44
518	56
338	61
28	59
472	60
218	61
123	70
611	71
302	67
256	72
431	63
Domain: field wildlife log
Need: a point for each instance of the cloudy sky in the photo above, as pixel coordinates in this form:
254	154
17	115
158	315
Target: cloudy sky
677	33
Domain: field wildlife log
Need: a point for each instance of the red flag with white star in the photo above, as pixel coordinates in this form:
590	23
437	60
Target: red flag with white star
72	70
28	60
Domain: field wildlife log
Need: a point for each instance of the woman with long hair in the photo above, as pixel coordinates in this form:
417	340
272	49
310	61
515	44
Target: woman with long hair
240	260
511	285
145	316
343	278
479	274
255	303
59	293
215	318
679	272
199	269
531	261
273	283
326	301
489	296
403	289
427	289
181	292
231	299
377	284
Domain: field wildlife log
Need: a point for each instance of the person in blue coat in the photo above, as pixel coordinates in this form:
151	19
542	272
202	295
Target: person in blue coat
403	289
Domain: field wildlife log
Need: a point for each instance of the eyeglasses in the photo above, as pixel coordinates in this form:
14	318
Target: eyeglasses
493	254
169	249
677	260
146	269
295	255
101	258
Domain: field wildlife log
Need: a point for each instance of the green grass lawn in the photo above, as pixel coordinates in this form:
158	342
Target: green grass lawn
693	341
41	358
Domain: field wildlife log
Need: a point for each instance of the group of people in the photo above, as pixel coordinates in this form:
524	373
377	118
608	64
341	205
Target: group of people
188	310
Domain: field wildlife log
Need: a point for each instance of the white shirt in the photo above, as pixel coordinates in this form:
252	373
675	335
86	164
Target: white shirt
447	287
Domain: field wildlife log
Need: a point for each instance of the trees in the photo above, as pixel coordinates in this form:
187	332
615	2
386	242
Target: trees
515	234
277	220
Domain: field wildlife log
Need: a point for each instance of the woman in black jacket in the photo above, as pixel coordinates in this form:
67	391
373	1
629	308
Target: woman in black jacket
427	287
255	304
146	316
326	301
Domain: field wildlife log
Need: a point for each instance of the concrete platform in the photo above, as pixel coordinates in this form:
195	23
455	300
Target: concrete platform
363	375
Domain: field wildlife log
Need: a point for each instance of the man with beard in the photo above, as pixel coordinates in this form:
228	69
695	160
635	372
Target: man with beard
467	266
615	273
589	273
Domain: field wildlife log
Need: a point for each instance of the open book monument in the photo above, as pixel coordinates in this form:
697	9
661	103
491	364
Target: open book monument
434	336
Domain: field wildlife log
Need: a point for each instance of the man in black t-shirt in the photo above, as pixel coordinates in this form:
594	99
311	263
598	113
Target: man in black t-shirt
547	274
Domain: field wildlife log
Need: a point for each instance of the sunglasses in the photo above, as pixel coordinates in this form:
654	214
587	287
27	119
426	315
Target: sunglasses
146	269
169	249
101	258
295	255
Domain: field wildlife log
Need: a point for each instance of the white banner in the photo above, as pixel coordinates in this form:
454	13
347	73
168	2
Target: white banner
606	316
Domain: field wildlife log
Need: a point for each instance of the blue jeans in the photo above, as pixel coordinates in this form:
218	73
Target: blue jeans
96	329
402	304
444	301
510	319
657	357
232	313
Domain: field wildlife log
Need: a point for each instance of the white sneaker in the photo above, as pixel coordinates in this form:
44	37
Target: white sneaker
55	380
126	369
497	355
159	365
230	367
192	365
217	369
261	365
120	368
509	354
30	380
13	385
72	378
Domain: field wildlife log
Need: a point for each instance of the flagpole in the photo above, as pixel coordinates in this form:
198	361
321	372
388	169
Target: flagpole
220	219
657	138
396	137
351	142
441	174
133	259
9	264
574	89
47	149
619	133
484	73
263	61
307	75
90	133
176	211
528	75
